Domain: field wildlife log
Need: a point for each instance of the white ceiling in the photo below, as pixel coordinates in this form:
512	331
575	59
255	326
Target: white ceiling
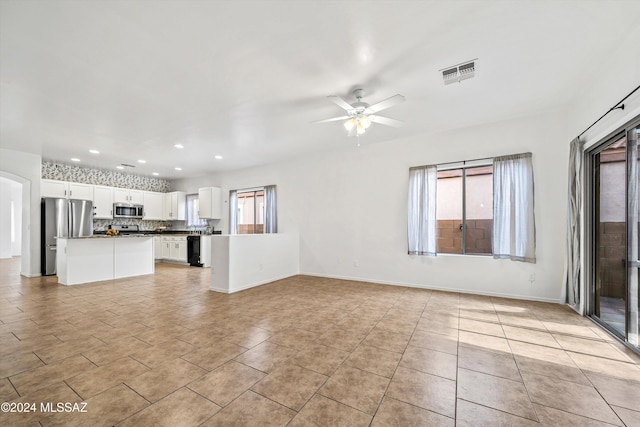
244	79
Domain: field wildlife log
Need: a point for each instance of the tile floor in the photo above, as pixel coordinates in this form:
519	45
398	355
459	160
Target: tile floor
163	350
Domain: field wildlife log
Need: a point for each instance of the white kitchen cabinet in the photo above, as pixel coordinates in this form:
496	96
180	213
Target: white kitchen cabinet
175	206
80	191
65	190
52	188
210	199
166	248
174	248
102	202
124	195
157	247
153	205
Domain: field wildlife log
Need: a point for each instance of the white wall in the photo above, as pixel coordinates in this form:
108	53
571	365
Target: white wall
10	206
350	208
25	168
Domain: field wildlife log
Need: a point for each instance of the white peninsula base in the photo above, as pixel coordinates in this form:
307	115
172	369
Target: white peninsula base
242	261
92	259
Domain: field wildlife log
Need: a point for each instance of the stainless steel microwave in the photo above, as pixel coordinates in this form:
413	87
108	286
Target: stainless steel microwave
126	210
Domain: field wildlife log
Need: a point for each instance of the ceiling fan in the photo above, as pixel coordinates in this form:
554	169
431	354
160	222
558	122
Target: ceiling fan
360	115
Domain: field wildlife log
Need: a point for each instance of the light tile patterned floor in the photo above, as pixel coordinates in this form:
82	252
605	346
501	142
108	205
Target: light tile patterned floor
164	350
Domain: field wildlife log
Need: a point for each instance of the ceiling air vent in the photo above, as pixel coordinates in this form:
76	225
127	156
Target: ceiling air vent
457	73
127	165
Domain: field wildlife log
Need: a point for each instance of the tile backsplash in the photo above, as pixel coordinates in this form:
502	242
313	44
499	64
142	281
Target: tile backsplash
103	224
73	173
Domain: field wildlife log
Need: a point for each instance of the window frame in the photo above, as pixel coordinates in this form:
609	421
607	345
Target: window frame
202	222
464	165
255	191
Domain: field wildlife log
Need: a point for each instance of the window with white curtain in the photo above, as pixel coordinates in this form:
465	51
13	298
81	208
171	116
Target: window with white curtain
479	207
193	206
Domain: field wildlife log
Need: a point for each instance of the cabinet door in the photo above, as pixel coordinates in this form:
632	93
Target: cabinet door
204	199
166	248
136	197
103	202
80	191
210	200
121	195
167	212
52	188
175	250
179	205
153	205
182	249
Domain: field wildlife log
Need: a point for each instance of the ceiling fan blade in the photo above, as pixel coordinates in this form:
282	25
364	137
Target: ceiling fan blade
340	102
386	121
389	102
335	119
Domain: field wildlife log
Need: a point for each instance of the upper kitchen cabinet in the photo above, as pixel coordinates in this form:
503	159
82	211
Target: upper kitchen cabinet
123	195
65	190
210	199
153	205
175	206
102	202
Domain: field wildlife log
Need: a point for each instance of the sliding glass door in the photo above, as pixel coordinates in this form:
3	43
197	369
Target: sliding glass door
615	247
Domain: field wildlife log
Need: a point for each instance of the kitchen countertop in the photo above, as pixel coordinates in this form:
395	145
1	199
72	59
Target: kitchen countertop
104	236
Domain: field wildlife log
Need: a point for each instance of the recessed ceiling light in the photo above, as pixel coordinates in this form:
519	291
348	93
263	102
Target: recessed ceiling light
218	157
94	151
178	145
119	167
178	169
155	174
74	159
142	161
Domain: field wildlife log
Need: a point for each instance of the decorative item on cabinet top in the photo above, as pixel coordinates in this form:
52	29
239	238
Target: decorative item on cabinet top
63	172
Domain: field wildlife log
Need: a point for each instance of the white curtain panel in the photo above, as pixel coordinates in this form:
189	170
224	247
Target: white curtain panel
233	212
571	286
513	208
422	210
270	211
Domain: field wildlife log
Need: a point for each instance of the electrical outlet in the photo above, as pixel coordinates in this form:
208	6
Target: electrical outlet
532	278
356	263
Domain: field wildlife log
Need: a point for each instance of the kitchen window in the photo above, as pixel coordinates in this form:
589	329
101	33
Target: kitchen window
193	206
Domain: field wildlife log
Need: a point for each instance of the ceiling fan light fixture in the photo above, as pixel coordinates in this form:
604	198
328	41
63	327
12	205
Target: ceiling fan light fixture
366	122
349	124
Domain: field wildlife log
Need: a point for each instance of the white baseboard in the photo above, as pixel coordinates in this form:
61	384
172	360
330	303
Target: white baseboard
435	288
28	275
252	285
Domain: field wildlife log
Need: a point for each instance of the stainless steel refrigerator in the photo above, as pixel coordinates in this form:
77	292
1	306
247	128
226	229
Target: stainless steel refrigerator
62	218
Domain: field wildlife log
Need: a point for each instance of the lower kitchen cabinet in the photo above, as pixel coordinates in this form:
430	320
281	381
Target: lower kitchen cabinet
174	248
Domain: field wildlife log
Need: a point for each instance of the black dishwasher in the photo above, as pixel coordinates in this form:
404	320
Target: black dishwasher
193	251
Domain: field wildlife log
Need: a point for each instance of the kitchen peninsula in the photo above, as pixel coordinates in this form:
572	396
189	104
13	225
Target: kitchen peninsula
99	257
